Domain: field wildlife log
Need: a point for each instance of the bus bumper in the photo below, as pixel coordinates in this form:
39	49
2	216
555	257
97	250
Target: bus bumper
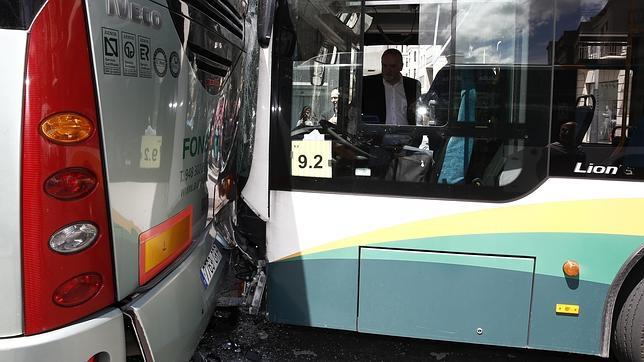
169	320
103	334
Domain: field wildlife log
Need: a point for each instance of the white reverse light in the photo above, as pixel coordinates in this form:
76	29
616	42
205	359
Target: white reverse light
73	238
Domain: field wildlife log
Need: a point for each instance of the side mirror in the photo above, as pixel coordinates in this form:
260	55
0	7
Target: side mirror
352	21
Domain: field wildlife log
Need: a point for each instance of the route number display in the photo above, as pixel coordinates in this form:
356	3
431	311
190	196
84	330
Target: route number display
311	158
150	152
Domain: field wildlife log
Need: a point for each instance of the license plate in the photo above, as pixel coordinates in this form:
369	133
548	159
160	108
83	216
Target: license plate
210	265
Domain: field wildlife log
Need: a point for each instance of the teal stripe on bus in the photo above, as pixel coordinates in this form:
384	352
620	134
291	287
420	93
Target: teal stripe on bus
599	255
324	293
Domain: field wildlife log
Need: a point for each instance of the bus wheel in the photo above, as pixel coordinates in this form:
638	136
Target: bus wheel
628	334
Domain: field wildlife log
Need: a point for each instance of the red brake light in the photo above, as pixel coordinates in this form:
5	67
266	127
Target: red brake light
70	184
78	290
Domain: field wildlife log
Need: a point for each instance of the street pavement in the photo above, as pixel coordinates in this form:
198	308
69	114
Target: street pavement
238	337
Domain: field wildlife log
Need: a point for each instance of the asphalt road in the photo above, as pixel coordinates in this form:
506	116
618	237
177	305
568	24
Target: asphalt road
233	337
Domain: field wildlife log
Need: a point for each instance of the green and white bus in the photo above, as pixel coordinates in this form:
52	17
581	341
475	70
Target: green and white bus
507	212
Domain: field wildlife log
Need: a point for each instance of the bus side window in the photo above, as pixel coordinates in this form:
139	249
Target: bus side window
597	88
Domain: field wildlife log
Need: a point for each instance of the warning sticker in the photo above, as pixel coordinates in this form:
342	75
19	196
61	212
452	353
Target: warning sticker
129	54
111	58
145	63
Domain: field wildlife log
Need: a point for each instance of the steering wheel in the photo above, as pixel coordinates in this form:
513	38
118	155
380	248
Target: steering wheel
329	129
300	131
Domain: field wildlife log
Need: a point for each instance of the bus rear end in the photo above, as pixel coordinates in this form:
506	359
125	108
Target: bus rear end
115	114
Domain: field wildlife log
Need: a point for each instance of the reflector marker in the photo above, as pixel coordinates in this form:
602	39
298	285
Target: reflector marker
78	290
568	309
162	244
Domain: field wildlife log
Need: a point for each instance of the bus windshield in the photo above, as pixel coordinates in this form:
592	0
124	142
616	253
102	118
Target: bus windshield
420	93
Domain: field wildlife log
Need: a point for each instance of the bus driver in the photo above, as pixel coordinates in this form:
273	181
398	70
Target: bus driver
389	97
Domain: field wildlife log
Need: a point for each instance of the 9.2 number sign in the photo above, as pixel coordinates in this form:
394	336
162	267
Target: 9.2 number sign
310	158
150	152
304	161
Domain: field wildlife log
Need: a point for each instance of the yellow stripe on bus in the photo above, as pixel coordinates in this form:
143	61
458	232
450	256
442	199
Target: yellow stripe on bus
607	216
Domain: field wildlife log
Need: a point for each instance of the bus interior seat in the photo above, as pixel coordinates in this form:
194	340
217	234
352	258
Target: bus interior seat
452	170
509	163
616	137
634	153
439	157
584	113
484	153
484	164
495	167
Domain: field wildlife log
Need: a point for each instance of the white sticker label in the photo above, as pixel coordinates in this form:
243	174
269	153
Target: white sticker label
311	158
150	152
111	51
129	51
145	63
363	172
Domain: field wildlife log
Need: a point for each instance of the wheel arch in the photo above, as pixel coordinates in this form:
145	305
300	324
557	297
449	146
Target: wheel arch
626	279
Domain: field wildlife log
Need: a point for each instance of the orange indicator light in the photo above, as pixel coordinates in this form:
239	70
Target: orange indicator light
571	268
66	128
226	186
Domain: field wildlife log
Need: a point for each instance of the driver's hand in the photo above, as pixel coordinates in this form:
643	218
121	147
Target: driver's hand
333	120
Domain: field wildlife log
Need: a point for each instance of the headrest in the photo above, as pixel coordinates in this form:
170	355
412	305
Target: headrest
584	112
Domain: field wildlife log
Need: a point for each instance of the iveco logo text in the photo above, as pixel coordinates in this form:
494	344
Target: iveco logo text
134	12
596	169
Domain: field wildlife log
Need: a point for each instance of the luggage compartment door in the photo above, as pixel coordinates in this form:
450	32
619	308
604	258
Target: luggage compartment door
445	296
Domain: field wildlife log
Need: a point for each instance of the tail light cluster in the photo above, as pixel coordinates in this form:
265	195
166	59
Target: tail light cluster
67	256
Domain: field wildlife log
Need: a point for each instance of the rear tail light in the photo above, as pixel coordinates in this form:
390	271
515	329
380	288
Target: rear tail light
67	128
73	238
72	183
66	251
78	290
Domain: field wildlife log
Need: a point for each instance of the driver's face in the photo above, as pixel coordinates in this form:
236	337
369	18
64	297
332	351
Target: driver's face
391	68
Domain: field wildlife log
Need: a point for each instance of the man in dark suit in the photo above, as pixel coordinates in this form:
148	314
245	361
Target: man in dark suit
389	97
